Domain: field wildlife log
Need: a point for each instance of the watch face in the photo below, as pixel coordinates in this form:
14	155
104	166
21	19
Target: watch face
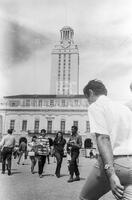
65	44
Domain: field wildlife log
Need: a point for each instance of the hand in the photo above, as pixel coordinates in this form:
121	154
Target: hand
116	187
71	144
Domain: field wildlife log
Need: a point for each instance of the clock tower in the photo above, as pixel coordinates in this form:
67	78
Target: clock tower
65	65
66	36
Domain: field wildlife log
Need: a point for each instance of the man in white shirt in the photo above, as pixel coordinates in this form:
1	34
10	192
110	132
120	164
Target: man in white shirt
111	123
7	144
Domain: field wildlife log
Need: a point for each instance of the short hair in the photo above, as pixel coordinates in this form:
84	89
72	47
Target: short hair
75	127
10	131
96	86
43	130
34	137
58	133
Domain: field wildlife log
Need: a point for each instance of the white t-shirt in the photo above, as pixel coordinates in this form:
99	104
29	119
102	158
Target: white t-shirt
113	119
8	141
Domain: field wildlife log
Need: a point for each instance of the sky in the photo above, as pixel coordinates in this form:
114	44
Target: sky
29	29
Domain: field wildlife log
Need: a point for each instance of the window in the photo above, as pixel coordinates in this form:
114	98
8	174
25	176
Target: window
24	125
76	102
36	126
23	103
63	100
87	126
47	103
40	103
75	123
51	102
12	124
34	103
27	102
62	128
49	126
13	103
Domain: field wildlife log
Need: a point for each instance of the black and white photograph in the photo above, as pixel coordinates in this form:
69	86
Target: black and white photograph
65	99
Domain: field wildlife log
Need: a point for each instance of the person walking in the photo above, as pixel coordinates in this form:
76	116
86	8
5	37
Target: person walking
74	144
58	145
43	150
32	147
7	144
50	146
111	124
22	152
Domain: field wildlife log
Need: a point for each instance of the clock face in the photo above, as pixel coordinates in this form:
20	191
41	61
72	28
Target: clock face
66	43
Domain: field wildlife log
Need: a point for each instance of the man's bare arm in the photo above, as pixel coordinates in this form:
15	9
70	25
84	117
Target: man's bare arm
105	150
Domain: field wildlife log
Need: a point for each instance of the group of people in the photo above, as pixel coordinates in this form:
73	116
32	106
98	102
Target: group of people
40	148
111	125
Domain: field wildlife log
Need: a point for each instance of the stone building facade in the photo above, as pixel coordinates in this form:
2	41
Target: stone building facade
31	113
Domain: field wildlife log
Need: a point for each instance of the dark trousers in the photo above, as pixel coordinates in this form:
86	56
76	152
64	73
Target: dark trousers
22	154
48	159
59	159
41	162
33	162
73	167
6	155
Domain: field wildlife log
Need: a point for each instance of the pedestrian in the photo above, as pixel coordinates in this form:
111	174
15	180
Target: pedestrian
42	151
32	147
22	152
111	124
16	151
74	144
91	155
68	159
59	144
7	144
50	146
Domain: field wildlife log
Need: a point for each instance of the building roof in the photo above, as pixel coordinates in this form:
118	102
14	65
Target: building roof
43	96
66	28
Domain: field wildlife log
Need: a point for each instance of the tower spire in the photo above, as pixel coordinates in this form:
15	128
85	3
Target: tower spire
67	34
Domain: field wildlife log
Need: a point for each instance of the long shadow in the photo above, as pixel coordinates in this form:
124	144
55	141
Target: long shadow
14	169
63	175
47	175
16	172
82	179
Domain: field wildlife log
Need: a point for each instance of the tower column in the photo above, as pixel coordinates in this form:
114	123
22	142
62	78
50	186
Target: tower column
65	65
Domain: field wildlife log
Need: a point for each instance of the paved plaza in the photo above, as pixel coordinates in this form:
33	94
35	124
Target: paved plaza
22	185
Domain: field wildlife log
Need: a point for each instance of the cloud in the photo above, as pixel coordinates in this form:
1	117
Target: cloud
103	33
22	43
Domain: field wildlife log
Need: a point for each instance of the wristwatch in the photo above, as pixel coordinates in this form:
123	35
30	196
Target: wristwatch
107	166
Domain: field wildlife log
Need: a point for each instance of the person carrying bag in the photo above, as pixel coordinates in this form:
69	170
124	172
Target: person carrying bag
32	152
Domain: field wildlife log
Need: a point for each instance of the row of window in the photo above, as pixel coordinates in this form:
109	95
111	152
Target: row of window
51	102
64	55
49	125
